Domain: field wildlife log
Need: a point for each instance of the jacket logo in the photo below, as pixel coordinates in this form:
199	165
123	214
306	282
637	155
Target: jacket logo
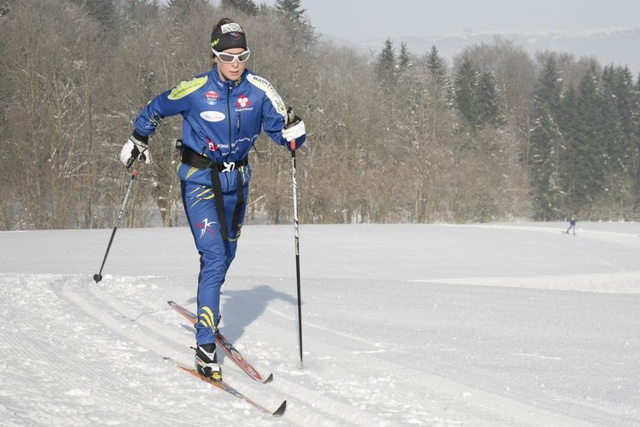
212	116
243	102
211	97
212	145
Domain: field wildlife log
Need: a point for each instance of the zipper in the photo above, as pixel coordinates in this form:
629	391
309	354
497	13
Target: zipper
230	124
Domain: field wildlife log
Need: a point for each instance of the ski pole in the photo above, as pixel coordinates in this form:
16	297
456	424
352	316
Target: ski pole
294	185
98	276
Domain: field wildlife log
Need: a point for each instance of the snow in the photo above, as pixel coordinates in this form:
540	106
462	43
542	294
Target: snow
411	325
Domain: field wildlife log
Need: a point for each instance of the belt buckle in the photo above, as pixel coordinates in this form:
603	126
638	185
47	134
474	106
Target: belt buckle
228	166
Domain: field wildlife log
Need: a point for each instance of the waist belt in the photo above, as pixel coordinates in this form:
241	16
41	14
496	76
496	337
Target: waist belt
193	159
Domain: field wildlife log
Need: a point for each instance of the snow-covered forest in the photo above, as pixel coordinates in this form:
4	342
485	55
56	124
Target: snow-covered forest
394	136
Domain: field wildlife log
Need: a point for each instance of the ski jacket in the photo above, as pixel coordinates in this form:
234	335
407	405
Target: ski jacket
222	119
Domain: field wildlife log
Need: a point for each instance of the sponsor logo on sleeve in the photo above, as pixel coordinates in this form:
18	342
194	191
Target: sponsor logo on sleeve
270	91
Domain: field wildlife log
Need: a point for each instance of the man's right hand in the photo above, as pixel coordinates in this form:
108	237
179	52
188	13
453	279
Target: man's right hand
134	149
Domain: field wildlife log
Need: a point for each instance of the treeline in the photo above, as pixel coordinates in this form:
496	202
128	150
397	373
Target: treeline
393	137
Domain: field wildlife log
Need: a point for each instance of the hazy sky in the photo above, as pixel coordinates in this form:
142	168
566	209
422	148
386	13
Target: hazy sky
358	20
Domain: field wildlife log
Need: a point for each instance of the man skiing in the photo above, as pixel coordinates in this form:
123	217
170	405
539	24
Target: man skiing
572	224
224	111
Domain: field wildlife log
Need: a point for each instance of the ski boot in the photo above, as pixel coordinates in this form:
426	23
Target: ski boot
207	361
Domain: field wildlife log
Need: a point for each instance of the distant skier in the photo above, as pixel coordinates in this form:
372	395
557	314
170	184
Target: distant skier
572	224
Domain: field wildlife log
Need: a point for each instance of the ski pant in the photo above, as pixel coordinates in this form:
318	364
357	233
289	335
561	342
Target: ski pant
216	253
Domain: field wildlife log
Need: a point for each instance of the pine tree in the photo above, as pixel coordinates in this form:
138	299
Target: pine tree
436	65
487	100
545	143
611	129
184	7
623	93
635	144
247	7
404	60
464	86
567	119
386	65
589	148
291	8
476	96
299	29
618	92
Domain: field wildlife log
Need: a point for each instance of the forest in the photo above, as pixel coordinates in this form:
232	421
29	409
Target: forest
392	136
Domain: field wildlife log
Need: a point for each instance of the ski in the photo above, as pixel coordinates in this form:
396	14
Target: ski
226	346
224	386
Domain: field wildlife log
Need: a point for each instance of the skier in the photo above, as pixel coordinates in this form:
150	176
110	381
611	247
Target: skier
572	224
223	111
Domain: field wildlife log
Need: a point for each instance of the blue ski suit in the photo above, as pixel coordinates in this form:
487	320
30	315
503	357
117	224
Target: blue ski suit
221	122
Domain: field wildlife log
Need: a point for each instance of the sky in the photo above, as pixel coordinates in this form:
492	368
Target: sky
360	20
487	325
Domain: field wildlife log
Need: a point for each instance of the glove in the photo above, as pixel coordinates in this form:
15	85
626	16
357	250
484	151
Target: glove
135	149
294	132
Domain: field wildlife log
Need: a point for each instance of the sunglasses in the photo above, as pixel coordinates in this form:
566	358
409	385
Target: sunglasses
228	58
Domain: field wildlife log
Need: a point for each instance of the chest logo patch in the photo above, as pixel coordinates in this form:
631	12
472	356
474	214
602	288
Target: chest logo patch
211	97
212	116
243	102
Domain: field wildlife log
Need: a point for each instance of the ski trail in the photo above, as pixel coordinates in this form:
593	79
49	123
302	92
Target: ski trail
338	403
50	355
483	406
149	332
306	405
149	339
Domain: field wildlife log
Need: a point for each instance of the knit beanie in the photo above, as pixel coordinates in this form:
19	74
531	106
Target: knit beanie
228	36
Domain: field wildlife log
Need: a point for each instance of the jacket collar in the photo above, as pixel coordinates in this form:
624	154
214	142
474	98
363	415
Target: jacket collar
228	83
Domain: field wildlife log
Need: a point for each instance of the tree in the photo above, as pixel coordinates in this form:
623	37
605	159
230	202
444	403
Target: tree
291	8
386	65
297	26
487	98
545	143
183	8
103	11
567	120
618	135
435	64
248	7
635	144
464	86
4	7
589	150
437	68
404	59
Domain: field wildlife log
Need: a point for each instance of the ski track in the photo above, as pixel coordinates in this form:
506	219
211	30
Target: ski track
173	341
486	406
145	332
314	399
42	366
